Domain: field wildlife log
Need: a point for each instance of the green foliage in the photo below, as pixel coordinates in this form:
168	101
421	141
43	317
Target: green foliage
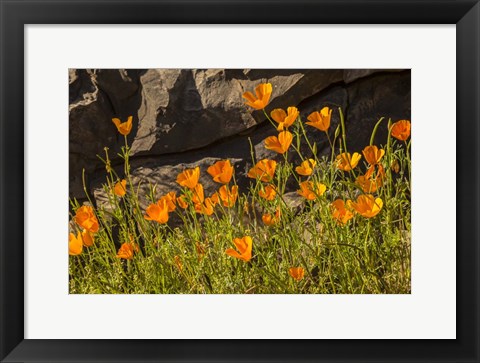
361	256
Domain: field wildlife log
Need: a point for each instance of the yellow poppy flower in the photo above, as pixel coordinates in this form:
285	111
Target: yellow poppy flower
340	213
367	206
401	130
320	120
263	92
283	118
244	247
263	170
346	162
157	212
221	171
279	144
86	219
75	244
297	273
120	188
310	190
127	250
123	127
373	154
268	193
306	167
189	178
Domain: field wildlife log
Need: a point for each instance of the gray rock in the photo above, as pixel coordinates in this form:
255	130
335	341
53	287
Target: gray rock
184	118
350	75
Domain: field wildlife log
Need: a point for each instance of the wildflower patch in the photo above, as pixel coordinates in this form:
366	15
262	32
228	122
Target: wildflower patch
348	232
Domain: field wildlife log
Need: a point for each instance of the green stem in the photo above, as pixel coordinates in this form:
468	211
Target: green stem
344	133
372	138
269	119
304	132
366	241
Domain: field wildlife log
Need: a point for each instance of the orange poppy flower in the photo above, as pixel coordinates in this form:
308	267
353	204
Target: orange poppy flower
270	220
247	207
263	92
75	244
340	213
320	120
370	183
371	171
373	154
215	197
198	195
181	202
206	207
346	162
221	171
306	167
283	119
170	198
401	130
201	250
87	238
123	127
297	273
268	193
263	170
279	144
157	212
126	250
244	247
178	262
120	188
395	166
310	190
189	178
86	219
228	197
367	206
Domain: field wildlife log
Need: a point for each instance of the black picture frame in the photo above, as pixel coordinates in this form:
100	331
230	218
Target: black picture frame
16	14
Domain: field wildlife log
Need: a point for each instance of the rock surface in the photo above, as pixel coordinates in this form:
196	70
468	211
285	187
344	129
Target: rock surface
184	118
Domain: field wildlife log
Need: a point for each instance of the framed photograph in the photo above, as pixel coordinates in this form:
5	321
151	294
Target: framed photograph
234	193
239	181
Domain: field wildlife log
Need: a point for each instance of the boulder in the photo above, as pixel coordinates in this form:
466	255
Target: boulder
184	118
